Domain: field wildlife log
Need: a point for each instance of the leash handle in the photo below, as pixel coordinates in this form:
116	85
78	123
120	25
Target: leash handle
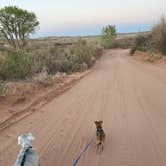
82	152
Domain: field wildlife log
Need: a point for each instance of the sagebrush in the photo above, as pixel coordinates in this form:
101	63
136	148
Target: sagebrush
15	65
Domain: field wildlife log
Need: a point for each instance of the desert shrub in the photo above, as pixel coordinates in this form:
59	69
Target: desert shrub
82	54
142	41
2	48
85	53
4	89
15	65
50	59
66	59
124	43
132	50
159	36
153	42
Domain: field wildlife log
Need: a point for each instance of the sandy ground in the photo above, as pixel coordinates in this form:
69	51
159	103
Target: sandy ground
25	97
128	95
157	59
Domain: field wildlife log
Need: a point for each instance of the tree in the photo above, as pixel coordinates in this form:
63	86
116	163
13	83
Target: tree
16	25
108	35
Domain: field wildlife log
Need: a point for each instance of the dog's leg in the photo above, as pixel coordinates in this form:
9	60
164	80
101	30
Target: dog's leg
98	148
102	146
97	145
103	142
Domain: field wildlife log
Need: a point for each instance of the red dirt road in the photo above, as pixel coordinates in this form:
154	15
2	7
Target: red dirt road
128	95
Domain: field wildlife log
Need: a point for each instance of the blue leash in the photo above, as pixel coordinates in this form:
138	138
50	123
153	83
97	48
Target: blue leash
83	151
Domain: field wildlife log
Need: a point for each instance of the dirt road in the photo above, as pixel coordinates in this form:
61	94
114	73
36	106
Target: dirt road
128	95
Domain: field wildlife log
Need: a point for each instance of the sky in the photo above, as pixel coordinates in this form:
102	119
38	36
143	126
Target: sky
87	17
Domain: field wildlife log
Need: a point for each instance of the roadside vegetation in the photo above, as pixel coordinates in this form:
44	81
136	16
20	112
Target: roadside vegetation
16	25
110	39
108	36
21	60
154	42
24	64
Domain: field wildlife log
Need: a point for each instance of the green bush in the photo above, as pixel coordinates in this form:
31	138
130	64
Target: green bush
108	36
132	50
15	65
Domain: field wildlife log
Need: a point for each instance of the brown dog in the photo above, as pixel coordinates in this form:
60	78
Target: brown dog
100	136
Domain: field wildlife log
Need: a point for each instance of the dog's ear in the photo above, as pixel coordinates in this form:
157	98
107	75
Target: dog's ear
101	122
96	122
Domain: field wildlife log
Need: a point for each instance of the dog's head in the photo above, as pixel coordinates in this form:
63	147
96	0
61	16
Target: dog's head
25	140
98	124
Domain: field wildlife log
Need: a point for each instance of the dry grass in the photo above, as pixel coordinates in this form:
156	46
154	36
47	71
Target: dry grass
49	55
